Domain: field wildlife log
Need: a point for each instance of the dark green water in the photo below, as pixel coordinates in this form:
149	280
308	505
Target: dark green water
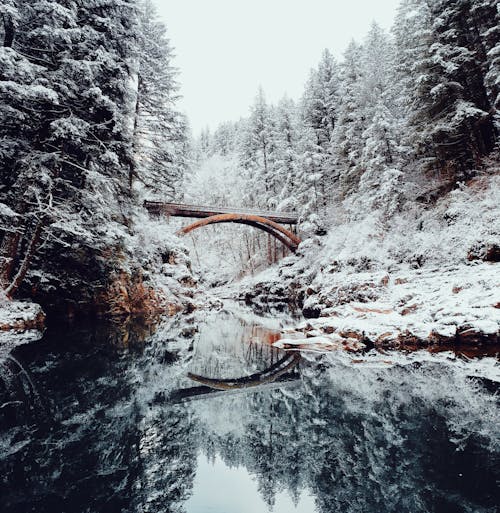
95	419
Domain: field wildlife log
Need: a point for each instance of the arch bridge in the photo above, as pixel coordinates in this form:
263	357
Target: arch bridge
269	222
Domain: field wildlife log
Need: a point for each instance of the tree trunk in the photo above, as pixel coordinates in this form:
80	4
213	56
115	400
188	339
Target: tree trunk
9	32
135	139
28	257
8	256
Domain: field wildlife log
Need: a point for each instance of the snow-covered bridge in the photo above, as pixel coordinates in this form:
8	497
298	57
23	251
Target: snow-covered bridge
270	222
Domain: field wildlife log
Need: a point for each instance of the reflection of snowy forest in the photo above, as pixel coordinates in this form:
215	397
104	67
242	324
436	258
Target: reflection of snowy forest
353	436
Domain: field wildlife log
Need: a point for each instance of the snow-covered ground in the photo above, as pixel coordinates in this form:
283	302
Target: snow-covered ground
429	275
431	304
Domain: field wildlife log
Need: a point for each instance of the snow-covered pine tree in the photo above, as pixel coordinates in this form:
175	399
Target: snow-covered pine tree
348	134
458	44
285	158
255	149
66	139
160	131
412	38
321	99
320	111
484	20
377	58
380	178
28	104
450	114
380	189
225	139
309	167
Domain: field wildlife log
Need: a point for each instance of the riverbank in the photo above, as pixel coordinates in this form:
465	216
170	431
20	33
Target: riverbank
149	279
428	275
400	308
408	308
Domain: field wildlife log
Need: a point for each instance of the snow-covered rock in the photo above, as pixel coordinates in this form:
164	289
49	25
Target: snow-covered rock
20	316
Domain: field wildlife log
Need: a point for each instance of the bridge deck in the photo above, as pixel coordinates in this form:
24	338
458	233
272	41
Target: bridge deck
201	211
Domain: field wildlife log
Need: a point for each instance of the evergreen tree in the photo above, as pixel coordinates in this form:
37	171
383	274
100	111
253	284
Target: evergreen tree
320	104
376	71
321	99
65	128
160	132
284	176
225	139
348	134
256	150
484	20
450	112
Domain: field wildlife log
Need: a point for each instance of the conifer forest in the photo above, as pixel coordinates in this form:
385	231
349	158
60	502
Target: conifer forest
295	310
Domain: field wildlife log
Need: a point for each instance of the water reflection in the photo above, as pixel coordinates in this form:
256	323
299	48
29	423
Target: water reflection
114	432
214	475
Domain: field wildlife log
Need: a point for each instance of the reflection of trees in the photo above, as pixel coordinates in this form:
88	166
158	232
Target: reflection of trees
86	450
73	446
167	455
363	441
108	437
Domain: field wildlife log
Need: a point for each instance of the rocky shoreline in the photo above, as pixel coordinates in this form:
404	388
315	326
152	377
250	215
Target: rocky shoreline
399	308
352	309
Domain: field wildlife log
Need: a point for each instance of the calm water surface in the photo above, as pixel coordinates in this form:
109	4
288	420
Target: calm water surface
100	419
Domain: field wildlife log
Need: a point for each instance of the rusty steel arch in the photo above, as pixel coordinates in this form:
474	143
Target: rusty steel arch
287	237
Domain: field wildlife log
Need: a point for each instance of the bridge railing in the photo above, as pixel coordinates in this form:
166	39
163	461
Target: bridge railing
200	211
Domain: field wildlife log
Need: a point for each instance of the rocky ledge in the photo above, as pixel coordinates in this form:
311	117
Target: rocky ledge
20	316
398	308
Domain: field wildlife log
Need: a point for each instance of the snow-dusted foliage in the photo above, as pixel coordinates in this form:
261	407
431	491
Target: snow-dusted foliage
391	151
64	127
160	131
77	82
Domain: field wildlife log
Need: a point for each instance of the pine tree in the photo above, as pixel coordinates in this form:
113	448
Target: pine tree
321	99
285	158
449	109
348	134
160	131
225	139
457	46
484	20
320	110
376	70
256	150
65	107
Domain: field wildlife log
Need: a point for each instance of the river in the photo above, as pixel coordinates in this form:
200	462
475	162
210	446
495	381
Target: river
202	414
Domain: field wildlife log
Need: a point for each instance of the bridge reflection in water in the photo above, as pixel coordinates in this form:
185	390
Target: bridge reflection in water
323	437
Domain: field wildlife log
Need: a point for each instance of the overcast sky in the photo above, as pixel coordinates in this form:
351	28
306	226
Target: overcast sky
225	49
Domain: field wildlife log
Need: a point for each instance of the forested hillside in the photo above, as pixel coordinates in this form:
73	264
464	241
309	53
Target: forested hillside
88	127
403	120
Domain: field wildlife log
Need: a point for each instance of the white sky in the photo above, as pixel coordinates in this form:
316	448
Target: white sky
227	48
